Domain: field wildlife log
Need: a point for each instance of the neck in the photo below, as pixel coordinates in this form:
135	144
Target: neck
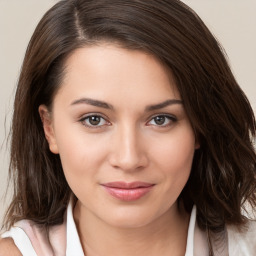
165	236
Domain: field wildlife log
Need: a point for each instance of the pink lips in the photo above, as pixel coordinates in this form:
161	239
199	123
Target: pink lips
128	191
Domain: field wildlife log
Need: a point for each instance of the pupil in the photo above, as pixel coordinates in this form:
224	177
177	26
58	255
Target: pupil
94	120
160	120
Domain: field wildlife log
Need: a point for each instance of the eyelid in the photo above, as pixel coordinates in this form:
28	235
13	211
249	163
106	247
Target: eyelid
84	117
172	118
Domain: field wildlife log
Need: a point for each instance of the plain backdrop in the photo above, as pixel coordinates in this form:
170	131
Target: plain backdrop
233	22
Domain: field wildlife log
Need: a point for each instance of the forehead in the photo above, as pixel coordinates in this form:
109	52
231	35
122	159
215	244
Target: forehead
109	72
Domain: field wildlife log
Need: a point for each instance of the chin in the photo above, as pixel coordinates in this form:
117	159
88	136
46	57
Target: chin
129	219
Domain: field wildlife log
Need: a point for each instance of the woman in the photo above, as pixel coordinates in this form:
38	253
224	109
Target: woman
130	136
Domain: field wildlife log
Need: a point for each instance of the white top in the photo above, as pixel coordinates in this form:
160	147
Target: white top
64	240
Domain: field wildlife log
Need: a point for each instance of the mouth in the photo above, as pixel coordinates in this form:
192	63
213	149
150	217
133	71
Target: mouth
128	191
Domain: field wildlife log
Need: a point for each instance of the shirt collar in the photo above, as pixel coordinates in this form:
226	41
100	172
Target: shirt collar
74	246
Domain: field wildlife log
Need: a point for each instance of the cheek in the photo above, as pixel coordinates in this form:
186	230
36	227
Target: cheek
81	158
80	152
175	154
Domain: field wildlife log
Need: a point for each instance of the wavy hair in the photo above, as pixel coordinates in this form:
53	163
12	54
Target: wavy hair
223	175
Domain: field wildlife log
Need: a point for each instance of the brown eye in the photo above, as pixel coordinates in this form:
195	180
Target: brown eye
162	120
94	121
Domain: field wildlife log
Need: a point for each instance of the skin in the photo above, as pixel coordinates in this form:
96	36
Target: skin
8	248
127	144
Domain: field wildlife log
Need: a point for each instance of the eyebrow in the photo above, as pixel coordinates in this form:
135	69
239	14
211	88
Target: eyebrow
93	102
102	104
162	105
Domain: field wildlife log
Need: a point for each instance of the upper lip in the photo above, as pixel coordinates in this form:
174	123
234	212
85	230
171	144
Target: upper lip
127	185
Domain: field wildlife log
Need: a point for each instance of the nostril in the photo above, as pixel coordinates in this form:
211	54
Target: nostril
128	164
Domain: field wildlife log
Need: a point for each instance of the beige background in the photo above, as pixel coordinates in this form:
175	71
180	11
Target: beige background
232	21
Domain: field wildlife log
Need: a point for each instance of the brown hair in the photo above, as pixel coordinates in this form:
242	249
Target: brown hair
223	175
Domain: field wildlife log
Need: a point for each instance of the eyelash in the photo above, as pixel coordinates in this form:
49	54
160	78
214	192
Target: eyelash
172	119
83	121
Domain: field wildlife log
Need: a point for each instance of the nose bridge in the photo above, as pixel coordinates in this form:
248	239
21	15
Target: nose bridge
128	152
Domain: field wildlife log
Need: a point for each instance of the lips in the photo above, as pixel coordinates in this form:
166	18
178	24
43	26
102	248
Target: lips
128	191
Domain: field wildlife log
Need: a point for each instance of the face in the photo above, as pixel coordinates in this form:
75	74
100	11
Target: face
125	142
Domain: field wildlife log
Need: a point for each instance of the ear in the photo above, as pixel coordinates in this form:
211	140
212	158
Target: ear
48	128
197	143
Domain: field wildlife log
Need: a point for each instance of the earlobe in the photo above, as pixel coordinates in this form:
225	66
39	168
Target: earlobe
197	143
48	128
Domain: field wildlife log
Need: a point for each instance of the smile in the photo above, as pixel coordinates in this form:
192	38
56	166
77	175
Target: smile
128	191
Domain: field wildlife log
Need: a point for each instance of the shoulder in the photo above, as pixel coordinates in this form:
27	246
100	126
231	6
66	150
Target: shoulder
243	241
248	231
8	247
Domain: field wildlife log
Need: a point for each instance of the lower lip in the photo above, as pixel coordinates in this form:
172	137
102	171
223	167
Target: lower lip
131	194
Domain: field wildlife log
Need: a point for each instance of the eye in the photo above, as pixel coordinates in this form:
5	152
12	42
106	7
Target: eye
94	121
162	120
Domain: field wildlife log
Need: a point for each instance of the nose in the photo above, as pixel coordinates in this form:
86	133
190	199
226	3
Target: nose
128	149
